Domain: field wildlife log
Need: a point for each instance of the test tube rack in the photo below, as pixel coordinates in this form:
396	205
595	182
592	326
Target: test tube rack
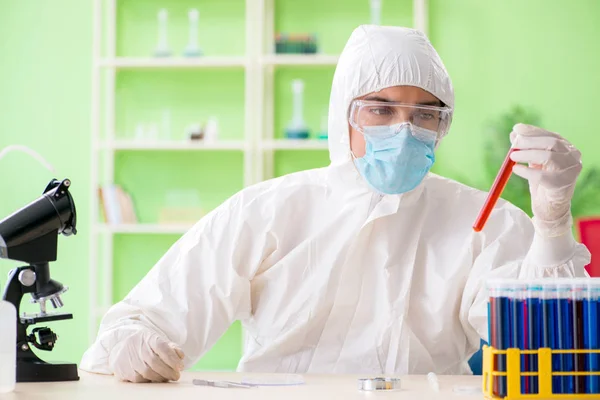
514	373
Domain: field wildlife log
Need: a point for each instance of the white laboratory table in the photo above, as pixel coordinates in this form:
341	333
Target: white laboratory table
330	387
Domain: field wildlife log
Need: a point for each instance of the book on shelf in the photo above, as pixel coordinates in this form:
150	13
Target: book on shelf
117	205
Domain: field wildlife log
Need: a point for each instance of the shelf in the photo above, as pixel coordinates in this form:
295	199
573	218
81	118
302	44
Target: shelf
300	59
174	62
152	229
166	145
295	144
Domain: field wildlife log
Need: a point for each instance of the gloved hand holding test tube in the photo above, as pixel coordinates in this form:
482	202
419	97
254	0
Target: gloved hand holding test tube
551	165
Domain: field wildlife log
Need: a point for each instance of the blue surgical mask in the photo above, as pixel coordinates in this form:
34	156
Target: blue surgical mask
397	157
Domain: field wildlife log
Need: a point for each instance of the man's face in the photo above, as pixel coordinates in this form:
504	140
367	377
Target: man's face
402	94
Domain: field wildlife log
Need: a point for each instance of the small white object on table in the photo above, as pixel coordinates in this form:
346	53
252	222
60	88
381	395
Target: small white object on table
330	387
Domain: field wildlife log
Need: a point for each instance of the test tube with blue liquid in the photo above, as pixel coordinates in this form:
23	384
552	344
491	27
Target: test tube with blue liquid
499	306
578	291
591	327
549	300
565	332
518	326
533	316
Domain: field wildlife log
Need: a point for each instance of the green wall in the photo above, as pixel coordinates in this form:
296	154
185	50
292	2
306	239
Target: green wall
542	54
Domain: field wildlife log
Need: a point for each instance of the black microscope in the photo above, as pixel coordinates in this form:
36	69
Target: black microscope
30	235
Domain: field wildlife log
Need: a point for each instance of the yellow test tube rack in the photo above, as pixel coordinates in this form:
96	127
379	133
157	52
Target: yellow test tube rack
513	373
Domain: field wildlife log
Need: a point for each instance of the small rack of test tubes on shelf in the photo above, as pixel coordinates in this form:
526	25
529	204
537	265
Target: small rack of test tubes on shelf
544	341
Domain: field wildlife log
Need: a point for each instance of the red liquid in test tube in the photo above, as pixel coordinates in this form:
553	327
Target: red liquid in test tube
495	192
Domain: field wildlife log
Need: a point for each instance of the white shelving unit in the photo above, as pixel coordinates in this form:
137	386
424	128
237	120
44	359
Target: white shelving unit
173	62
258	145
158	145
105	143
287	144
299	59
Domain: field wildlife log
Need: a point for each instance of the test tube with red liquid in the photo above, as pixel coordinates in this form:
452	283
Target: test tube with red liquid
495	192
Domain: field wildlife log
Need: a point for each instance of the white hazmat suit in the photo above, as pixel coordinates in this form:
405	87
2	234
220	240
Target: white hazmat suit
328	276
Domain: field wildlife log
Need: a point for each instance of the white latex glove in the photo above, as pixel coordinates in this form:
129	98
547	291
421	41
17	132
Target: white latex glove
146	357
552	170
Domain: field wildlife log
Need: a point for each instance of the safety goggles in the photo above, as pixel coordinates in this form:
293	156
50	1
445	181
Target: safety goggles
366	115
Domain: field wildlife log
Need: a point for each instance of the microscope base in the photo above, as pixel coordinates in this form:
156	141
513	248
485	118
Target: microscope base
36	371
